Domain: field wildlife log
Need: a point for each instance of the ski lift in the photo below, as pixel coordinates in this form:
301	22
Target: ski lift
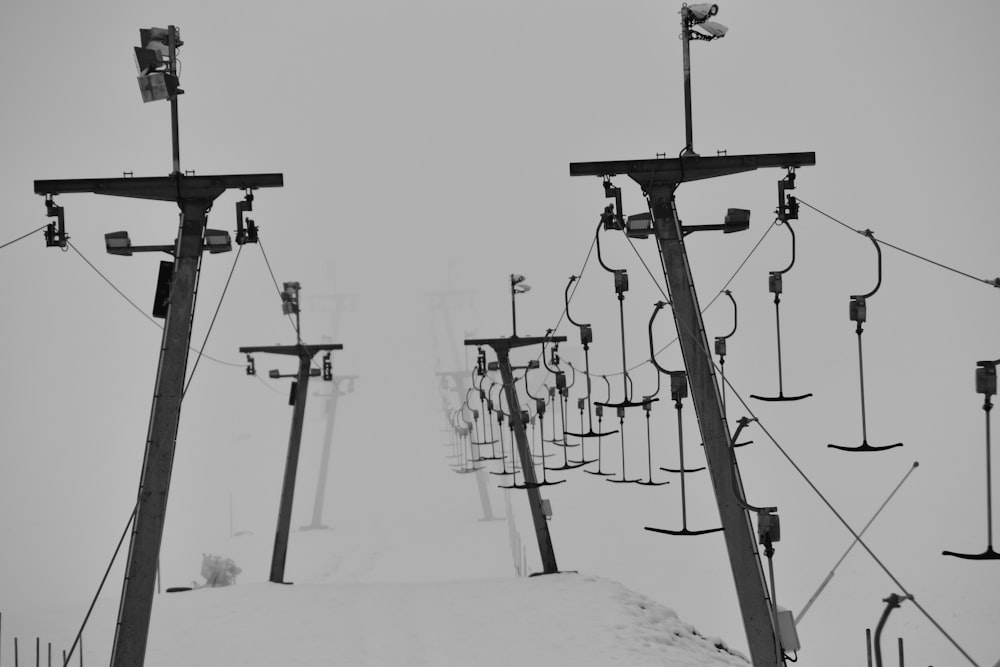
720	348
486	404
540	413
503	453
647	406
620	411
562	390
986	384
678	392
621	286
586	338
858	313
464	443
599	411
525	418
786	211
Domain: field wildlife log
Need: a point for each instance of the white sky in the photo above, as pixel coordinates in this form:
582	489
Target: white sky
426	147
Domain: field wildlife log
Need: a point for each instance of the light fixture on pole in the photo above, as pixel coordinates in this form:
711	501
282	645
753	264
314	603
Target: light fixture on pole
696	16
517	286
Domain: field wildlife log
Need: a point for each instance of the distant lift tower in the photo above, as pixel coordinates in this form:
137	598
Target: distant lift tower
298	396
194	195
502	347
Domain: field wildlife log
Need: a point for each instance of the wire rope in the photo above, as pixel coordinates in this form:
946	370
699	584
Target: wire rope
995	282
19	238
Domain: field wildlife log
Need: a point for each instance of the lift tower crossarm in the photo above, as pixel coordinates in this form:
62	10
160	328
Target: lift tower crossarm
194	196
664	171
502	347
659	180
305	354
163	188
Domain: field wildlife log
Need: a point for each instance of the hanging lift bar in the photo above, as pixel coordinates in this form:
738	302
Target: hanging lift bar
858	313
986	384
788	209
586	338
659	179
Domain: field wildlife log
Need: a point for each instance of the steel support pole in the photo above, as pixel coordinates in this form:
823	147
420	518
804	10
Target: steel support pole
132	629
686	50
545	549
751	587
291	468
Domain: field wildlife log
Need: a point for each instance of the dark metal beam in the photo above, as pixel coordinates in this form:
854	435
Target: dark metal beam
666	171
162	188
292	350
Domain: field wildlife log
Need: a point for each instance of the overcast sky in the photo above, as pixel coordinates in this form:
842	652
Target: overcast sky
425	147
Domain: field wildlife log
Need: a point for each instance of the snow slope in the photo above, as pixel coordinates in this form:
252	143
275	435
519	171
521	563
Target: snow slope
355	601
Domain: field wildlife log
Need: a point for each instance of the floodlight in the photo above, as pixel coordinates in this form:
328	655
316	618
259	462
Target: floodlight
151	56
521	288
516	278
217	240
639	226
737	220
118	243
274	374
314	372
714	30
702	10
157	86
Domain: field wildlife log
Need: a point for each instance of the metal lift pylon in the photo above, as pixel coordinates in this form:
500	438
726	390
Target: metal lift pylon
502	348
659	179
194	196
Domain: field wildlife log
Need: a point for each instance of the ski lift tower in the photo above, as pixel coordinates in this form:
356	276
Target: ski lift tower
156	60
659	179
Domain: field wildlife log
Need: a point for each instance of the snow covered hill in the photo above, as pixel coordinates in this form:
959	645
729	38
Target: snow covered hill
358	603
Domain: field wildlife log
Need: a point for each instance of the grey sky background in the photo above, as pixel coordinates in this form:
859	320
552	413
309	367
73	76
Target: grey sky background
425	147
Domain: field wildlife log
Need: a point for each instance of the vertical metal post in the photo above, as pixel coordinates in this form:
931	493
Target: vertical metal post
174	123
131	632
751	588
545	549
686	41
291	468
